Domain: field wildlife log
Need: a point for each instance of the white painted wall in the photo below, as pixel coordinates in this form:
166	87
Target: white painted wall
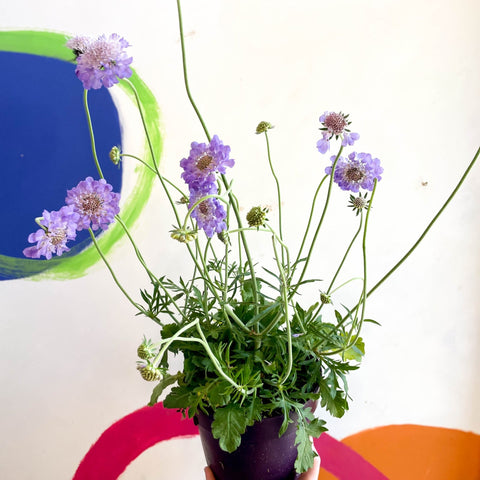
408	73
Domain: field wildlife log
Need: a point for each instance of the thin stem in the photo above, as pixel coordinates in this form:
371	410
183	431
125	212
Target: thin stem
342	262
287	319
279	197
434	219
152	151
92	136
309	221
185	74
307	260
136	305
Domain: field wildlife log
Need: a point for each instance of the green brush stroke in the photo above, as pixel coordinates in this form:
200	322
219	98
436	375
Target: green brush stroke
75	263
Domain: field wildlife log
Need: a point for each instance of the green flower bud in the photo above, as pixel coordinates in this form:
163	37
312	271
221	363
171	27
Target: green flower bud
324	298
183	235
224	237
115	155
146	350
257	217
263	127
149	372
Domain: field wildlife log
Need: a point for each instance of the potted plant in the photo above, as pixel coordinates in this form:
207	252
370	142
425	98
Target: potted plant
257	354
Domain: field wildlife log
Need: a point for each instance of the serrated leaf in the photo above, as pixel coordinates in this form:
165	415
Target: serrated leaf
316	427
229	423
180	397
305	453
162	385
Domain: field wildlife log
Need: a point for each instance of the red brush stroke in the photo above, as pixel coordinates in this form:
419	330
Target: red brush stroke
343	462
126	439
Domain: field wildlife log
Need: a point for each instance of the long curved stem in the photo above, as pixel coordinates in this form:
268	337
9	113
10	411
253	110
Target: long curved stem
92	136
327	200
185	76
434	219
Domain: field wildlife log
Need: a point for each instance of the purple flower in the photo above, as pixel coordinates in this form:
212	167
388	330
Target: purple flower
356	171
58	228
204	162
209	214
102	61
323	145
95	203
335	125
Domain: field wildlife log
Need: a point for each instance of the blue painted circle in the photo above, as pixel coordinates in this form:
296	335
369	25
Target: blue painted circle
45	143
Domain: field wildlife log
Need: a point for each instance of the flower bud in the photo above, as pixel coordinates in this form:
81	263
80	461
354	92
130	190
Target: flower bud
263	127
257	217
115	155
149	372
183	235
325	298
146	350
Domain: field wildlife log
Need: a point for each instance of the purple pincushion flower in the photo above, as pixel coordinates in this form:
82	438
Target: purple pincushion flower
204	162
356	171
209	214
59	227
102	61
335	125
95	203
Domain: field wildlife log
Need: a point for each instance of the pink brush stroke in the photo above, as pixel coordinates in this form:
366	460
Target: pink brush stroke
126	439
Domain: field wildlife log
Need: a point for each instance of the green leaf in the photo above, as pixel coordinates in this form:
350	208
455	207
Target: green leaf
306	454
180	397
316	427
369	320
356	351
228	426
164	383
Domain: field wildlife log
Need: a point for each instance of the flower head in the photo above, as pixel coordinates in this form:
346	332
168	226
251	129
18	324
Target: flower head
356	171
358	203
95	203
209	214
149	372
335	125
57	229
79	45
115	155
257	216
263	127
183	235
204	162
102	61
146	350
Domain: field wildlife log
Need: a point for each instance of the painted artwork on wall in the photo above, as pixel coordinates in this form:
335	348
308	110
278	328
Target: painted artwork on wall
44	137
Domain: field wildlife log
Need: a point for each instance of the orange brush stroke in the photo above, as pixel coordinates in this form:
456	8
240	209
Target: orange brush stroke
417	452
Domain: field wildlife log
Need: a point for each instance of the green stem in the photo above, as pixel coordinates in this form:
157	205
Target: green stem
307	260
152	151
286	317
185	74
310	218
231	198
434	219
136	305
279	198
155	172
92	136
341	263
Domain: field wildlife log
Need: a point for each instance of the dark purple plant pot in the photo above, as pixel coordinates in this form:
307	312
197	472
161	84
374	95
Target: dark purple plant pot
262	455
